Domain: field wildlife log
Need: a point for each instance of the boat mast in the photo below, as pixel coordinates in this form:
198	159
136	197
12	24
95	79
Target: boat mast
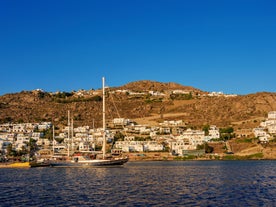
68	148
72	134
53	140
104	141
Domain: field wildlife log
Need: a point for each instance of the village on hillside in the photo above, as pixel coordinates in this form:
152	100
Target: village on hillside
125	136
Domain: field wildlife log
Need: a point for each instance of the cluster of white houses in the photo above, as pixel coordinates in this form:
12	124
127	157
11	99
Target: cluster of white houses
154	93
169	134
86	139
20	134
267	128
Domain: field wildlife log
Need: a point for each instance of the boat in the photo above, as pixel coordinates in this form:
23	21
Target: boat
82	160
90	159
16	165
40	163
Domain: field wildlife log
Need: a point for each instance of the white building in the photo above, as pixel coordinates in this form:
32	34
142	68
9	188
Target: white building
272	115
172	123
138	146
121	122
272	129
180	145
270	122
180	92
156	93
44	126
83	129
213	133
7	128
261	134
36	135
196	137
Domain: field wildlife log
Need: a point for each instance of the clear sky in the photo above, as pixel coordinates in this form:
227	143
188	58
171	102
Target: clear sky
65	45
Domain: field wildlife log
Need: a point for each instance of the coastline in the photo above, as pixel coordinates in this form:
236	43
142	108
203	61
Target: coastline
149	156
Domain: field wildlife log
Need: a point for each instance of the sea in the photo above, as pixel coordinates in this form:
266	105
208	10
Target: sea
157	183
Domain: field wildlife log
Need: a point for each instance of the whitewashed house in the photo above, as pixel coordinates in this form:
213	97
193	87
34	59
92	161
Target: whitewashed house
21	141
7	128
138	146
196	137
83	129
272	129
213	134
37	135
19	128
271	115
44	126
262	135
152	146
164	130
179	145
178	91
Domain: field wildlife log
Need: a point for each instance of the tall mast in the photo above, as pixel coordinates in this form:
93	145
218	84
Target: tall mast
53	140
68	147
72	134
104	141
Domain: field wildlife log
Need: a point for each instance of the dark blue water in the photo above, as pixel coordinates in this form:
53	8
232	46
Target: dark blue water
192	183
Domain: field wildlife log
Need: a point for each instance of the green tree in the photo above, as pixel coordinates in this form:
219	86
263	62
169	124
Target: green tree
9	149
118	136
227	133
48	133
206	147
206	129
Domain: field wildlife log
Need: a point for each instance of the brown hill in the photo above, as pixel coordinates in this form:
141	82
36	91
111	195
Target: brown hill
146	85
194	109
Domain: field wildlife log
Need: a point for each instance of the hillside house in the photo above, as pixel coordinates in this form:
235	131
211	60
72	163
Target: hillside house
156	93
270	122
180	92
271	115
7	128
178	146
37	135
121	122
196	137
213	133
261	134
138	146
44	126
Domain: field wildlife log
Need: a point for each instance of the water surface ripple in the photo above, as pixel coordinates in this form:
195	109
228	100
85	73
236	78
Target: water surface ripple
192	183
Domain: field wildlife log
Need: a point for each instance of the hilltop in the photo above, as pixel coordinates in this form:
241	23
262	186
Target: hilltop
146	85
143	101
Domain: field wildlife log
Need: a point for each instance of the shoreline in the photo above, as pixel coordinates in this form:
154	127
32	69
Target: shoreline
208	157
26	166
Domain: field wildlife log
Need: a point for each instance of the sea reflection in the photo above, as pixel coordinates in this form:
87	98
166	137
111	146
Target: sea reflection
195	183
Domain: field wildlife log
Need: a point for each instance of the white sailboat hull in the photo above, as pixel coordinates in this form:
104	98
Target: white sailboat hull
95	162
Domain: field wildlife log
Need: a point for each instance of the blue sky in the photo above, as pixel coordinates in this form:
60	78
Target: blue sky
65	45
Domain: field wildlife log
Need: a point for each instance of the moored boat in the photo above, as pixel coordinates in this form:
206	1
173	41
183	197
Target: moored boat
40	163
80	160
95	159
16	165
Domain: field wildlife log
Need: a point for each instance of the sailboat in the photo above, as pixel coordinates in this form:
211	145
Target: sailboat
80	159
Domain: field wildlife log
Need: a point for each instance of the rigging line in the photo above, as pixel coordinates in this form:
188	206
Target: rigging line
117	111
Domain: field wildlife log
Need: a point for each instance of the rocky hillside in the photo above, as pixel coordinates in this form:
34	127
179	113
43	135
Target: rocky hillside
193	107
146	85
